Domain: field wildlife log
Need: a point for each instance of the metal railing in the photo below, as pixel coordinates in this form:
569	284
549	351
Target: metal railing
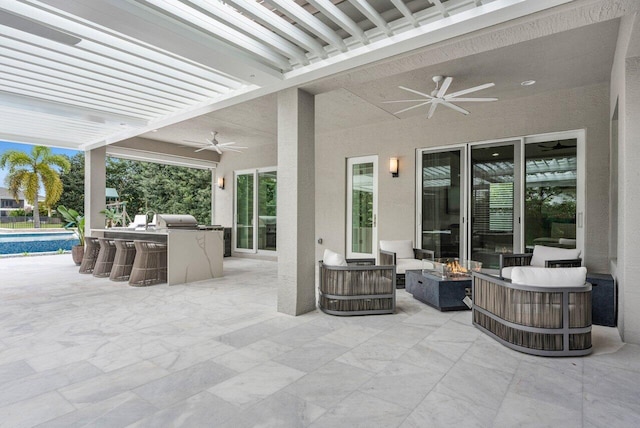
26	222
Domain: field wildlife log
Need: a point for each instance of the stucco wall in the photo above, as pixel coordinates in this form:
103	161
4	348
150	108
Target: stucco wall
625	88
580	108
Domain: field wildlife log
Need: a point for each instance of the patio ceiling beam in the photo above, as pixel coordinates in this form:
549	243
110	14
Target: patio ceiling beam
372	15
201	22
280	26
404	10
251	29
438	4
340	18
310	22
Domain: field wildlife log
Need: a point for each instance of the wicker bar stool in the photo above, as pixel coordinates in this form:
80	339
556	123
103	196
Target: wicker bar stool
91	250
105	258
123	261
150	264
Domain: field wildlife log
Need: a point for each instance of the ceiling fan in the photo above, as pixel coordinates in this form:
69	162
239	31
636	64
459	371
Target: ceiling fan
557	146
213	143
439	96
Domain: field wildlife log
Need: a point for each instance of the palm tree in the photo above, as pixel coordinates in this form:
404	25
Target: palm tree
26	172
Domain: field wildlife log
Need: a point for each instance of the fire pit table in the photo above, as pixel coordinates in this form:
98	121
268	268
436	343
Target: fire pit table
445	285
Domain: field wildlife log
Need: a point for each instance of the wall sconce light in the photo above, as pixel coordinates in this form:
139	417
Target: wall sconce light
221	183
393	166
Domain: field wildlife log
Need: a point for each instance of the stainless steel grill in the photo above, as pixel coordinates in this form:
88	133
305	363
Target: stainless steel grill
176	221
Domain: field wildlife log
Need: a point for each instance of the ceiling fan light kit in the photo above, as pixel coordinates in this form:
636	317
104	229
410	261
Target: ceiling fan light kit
439	96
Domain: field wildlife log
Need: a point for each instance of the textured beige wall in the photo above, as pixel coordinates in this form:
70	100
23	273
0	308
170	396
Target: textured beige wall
625	88
580	108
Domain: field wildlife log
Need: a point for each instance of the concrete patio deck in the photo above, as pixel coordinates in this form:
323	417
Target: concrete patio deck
81	351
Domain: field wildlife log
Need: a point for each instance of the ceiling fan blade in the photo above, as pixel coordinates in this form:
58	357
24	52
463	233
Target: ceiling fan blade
226	149
227	143
402	101
201	149
412	107
444	87
469	100
454	107
192	141
416	92
467	91
217	149
432	110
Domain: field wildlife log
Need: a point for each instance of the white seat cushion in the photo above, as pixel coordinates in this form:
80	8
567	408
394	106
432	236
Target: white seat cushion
541	254
549	277
506	271
403	265
331	258
403	248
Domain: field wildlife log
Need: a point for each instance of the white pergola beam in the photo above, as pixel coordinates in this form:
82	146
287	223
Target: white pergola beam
251	29
404	10
310	22
340	18
277	24
372	15
440	6
199	21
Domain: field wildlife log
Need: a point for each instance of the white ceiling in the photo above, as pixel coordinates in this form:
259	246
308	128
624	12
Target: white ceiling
85	73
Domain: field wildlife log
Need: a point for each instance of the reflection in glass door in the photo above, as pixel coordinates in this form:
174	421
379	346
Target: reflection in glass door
441	202
255	210
362	207
267	205
551	169
244	211
492	203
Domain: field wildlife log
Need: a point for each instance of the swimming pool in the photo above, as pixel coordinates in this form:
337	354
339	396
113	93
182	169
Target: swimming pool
36	242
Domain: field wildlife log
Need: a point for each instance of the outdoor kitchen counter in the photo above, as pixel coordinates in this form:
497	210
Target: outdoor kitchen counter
192	255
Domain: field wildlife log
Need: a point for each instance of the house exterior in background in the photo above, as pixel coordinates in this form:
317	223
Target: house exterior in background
8	203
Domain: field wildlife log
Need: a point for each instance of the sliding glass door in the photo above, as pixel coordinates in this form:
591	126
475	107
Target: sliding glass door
551	190
441	202
479	200
255	210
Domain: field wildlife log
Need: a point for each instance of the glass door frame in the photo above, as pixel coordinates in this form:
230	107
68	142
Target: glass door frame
519	185
349	189
255	172
464	200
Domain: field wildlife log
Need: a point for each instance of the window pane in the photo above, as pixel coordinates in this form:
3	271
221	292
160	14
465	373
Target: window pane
492	204
244	215
267	205
550	194
362	208
441	203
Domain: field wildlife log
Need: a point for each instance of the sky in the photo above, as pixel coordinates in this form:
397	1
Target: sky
4	146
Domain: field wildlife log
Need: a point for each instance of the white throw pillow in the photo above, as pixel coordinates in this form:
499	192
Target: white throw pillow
331	258
551	277
542	254
403	249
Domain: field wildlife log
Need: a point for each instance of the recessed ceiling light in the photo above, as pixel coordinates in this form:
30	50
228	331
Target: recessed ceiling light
528	83
154	130
495	154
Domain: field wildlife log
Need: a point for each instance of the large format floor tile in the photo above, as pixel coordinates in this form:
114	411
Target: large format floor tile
79	351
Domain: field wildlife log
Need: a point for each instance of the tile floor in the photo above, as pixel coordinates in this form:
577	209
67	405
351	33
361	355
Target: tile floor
79	351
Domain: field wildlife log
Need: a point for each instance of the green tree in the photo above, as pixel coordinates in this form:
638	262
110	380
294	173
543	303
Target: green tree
27	172
73	181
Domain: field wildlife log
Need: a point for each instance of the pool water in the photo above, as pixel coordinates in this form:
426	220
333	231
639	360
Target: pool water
36	242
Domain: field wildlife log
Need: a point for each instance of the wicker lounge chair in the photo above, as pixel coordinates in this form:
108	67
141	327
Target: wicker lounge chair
357	287
543	312
542	256
403	256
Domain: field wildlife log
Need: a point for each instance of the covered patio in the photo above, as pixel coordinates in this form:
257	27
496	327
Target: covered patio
83	351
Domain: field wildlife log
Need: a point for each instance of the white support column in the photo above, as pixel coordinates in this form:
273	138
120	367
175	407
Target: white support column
95	183
296	202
